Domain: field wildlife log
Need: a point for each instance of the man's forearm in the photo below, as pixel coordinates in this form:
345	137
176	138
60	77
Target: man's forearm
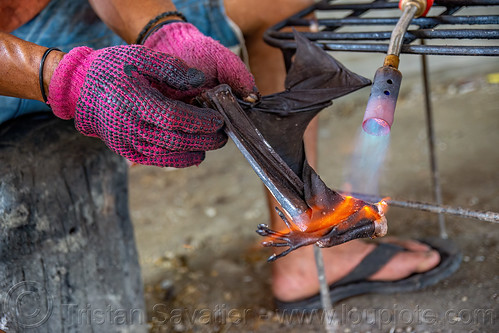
128	17
20	60
19	67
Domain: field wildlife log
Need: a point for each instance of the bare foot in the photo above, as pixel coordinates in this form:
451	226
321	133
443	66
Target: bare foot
295	276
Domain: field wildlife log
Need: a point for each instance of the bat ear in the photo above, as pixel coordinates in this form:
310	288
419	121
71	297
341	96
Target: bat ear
314	68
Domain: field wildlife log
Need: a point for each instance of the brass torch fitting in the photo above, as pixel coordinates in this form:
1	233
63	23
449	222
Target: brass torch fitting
419	4
391	60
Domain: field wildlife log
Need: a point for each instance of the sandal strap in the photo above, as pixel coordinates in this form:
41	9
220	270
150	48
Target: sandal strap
371	263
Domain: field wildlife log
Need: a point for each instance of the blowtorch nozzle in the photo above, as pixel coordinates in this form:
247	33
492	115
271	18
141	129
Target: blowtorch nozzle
378	117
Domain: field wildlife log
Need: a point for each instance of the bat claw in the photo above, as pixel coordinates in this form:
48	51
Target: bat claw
274	244
274	256
264	230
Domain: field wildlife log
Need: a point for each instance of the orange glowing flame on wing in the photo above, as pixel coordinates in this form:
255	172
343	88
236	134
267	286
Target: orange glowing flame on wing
319	218
328	222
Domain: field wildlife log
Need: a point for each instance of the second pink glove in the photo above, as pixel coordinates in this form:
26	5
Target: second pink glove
185	41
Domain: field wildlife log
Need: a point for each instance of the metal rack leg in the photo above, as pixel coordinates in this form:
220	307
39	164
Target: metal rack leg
330	324
435	175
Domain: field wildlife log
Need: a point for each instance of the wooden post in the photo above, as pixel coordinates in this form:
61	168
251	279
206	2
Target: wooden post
68	261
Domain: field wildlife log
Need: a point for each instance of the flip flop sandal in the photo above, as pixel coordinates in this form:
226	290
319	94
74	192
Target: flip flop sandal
356	283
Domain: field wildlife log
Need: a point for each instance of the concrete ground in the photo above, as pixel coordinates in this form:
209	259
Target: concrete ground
205	271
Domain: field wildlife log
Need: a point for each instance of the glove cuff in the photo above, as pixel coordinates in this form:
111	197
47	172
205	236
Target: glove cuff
67	81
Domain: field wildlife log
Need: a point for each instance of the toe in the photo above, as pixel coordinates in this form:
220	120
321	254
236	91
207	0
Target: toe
431	260
407	263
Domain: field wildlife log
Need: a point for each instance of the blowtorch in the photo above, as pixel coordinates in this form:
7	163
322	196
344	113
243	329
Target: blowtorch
378	117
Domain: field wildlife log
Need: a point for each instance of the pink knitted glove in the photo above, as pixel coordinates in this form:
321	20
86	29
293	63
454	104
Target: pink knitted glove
109	94
185	41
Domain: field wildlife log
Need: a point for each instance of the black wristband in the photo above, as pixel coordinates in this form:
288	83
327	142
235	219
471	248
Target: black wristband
156	28
145	32
40	71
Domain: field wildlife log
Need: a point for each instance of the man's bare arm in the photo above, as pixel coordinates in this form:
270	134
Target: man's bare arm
128	17
20	63
20	60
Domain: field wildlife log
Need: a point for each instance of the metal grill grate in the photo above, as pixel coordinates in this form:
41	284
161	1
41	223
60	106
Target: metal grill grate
367	27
